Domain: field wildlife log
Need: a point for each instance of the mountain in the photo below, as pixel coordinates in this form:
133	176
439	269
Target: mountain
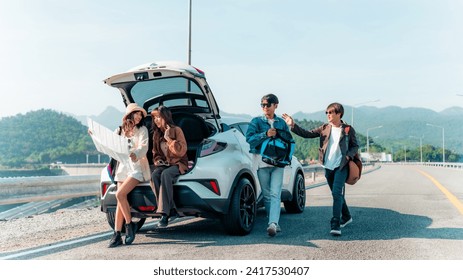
41	137
110	117
403	126
400	126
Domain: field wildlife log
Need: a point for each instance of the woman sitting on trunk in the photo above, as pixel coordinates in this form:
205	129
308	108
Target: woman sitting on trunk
170	160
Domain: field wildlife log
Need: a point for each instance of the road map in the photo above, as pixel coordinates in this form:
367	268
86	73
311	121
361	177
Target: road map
109	142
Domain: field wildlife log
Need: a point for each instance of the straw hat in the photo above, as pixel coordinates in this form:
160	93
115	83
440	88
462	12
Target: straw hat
133	107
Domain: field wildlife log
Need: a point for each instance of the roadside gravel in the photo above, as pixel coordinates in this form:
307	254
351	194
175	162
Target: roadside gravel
62	225
43	229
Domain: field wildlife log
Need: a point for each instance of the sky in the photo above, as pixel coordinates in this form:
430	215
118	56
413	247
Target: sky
54	54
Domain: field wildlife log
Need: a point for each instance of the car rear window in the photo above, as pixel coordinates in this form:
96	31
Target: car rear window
146	90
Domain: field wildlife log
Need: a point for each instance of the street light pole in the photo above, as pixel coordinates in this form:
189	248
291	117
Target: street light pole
421	147
368	140
405	149
363	103
189	32
443	140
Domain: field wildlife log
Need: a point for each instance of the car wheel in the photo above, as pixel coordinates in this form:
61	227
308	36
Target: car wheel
242	213
297	203
111	218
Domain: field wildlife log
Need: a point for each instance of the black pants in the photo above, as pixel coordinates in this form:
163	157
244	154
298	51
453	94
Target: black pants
337	181
163	178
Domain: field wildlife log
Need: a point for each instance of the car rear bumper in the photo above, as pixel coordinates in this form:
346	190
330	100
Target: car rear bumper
186	201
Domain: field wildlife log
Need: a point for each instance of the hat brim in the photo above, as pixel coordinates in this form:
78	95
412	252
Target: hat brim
135	109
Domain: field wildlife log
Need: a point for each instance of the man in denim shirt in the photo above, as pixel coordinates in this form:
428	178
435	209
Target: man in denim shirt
270	177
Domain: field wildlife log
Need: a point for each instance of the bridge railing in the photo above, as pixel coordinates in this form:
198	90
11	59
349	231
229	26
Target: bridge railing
455	165
29	189
32	189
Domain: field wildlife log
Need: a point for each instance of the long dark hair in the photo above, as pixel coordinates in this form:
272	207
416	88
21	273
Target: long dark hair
166	115
129	122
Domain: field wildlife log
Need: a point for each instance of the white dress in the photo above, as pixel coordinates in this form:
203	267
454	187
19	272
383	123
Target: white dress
139	169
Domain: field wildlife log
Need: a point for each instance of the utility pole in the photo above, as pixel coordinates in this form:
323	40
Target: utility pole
189	32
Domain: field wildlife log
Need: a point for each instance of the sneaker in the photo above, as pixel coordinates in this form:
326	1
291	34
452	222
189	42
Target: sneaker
164	221
278	228
345	222
272	229
335	227
116	240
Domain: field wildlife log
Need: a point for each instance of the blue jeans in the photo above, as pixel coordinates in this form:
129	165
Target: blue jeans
337	181
271	182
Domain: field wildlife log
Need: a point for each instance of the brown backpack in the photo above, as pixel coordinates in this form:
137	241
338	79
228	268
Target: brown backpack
355	165
355	170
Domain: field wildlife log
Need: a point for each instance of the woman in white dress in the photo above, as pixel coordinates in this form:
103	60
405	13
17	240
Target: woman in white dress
130	174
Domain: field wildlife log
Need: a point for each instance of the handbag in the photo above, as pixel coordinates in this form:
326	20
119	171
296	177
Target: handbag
278	151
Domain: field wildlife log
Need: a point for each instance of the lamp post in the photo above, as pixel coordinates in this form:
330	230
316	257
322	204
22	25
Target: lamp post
368	139
189	32
363	103
421	146
405	150
443	141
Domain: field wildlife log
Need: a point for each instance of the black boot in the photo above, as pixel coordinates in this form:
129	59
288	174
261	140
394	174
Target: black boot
164	221
130	230
116	240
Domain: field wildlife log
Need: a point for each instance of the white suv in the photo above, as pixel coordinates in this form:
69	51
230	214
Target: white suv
221	182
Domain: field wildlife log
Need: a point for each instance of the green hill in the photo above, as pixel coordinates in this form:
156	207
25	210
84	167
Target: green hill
403	126
41	137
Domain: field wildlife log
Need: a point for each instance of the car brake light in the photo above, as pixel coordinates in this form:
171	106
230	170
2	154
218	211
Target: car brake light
104	189
210	147
215	187
147	208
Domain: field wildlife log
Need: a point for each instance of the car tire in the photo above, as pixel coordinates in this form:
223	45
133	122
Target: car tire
242	212
111	218
297	203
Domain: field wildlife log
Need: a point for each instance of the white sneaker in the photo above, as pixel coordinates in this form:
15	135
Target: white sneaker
345	223
272	229
278	228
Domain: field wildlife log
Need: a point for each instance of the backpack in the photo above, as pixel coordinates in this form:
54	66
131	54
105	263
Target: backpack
355	170
278	151
112	165
355	165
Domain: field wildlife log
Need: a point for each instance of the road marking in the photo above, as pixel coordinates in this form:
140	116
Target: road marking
453	199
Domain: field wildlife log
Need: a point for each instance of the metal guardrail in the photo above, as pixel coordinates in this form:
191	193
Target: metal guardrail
43	193
33	189
454	165
30	189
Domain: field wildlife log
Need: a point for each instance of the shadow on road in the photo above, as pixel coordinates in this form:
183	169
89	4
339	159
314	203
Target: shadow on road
303	229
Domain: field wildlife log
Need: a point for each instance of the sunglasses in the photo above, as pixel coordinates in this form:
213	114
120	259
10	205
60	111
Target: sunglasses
330	112
263	105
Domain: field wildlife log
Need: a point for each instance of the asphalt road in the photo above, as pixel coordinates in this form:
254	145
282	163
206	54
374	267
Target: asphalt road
400	212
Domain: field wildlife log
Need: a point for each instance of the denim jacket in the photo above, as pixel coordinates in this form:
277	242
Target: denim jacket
257	131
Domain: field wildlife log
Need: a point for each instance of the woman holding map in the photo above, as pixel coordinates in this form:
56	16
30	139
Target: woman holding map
132	172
